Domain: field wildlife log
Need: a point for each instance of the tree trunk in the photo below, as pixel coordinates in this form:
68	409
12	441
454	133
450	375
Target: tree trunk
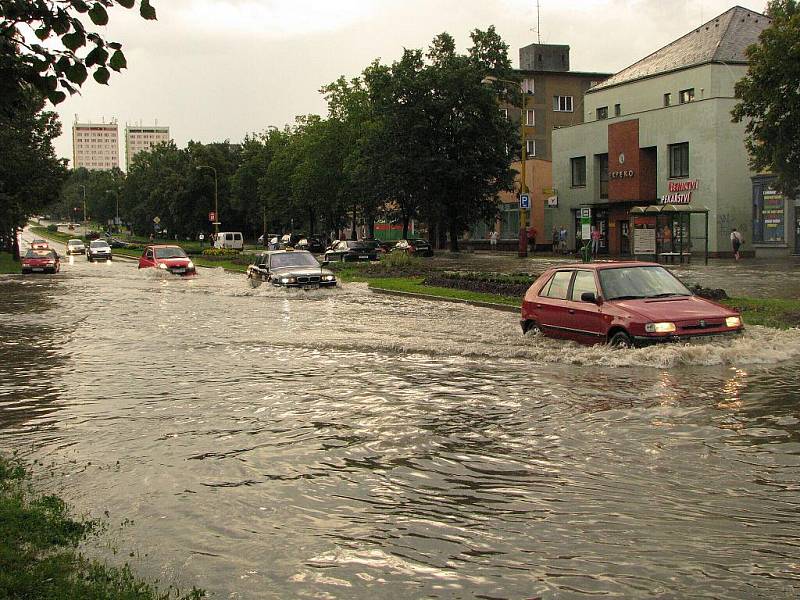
353	234
311	222
371	227
453	237
405	227
441	232
15	244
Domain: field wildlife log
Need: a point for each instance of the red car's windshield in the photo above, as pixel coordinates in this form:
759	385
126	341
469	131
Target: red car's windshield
171	252
626	283
40	254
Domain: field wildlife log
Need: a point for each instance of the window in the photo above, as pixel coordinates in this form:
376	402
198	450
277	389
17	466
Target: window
602	113
602	170
617	110
679	160
530	117
558	285
504	112
685	96
667	99
584	282
578	171
562	103
530	147
527	86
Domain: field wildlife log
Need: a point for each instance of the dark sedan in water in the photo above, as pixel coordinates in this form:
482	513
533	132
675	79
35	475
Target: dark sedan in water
290	268
350	250
623	304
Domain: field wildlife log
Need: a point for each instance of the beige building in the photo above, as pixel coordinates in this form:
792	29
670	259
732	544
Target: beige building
142	137
95	146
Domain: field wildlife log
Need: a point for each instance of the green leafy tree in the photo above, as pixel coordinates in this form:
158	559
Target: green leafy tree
770	97
30	173
102	188
70	48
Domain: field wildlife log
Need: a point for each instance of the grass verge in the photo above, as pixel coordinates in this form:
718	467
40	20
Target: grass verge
414	285
39	559
771	312
8	264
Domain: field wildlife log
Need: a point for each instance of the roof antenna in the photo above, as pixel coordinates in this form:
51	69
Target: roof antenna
538	25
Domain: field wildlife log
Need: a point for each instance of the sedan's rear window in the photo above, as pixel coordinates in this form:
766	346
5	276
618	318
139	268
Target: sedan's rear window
558	285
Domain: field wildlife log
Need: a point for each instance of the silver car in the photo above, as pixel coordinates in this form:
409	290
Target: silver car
98	250
75	247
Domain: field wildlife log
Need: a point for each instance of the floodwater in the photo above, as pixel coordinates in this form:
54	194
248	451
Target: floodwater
342	444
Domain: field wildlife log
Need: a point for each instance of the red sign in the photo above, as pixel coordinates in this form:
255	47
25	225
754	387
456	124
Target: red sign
683	186
212	216
677	198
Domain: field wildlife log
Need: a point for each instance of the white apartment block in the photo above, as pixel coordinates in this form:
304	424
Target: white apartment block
95	146
142	137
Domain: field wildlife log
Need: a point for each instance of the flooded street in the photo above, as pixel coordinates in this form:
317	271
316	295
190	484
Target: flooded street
344	444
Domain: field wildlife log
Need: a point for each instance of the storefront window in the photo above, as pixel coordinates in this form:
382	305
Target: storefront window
510	222
769	214
602	171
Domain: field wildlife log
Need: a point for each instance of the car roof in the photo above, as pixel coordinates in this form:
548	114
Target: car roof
271	252
598	266
75	240
163	246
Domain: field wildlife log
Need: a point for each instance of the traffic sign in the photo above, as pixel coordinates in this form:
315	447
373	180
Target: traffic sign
212	216
524	201
156	220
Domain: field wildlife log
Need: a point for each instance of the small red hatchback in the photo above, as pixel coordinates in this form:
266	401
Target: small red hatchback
623	304
170	259
41	261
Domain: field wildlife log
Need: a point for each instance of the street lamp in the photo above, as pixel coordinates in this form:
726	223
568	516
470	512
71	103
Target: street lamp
84	210
523	237
216	204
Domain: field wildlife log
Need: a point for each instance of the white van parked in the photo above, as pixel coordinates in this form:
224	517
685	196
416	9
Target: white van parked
229	239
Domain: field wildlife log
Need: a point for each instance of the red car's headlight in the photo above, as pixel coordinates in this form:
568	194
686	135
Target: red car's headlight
733	321
665	327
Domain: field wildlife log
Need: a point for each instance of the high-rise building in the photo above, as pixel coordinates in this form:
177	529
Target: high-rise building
142	137
95	146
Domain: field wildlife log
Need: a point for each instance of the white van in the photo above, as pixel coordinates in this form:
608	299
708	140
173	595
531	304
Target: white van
229	239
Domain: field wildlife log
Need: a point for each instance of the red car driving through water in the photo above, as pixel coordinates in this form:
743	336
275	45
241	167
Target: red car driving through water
170	259
41	261
623	304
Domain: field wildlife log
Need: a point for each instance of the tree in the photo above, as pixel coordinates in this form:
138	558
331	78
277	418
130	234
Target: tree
770	97
61	63
30	173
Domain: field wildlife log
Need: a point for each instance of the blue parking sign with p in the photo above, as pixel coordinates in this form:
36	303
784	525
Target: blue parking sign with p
524	201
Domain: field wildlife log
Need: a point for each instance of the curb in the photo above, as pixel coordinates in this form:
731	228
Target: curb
493	305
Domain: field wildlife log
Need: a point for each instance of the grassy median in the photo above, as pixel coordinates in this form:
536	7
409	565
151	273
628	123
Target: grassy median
39	557
8	264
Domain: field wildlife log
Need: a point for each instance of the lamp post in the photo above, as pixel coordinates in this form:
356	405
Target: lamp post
523	188
216	203
84	210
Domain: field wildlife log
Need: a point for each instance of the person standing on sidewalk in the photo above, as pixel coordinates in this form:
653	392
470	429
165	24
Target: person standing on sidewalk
736	242
493	240
532	233
595	240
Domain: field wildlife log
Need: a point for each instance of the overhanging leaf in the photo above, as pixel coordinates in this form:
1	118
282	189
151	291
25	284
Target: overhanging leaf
126	3
118	61
147	11
97	56
101	75
43	33
98	14
76	73
56	96
73	40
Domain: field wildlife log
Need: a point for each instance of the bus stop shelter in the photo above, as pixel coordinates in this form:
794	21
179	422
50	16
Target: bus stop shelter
664	231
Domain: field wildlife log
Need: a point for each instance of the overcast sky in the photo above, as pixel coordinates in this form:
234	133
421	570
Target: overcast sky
218	69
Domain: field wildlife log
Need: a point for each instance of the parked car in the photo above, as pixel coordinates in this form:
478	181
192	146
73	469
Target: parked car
40	244
289	240
350	250
264	238
98	250
290	268
312	244
41	261
171	259
75	247
415	246
117	243
622	304
380	246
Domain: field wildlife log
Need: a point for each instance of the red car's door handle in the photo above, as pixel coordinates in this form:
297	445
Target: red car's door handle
571	311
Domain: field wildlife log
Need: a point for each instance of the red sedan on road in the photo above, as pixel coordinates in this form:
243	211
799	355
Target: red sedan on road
40	261
623	304
170	259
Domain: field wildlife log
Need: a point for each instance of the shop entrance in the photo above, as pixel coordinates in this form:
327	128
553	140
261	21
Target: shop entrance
624	237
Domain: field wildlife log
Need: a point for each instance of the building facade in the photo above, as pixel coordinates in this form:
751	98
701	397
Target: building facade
142	137
95	146
659	134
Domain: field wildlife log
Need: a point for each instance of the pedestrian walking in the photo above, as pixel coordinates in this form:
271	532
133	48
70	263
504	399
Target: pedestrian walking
595	240
736	242
562	239
493	240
